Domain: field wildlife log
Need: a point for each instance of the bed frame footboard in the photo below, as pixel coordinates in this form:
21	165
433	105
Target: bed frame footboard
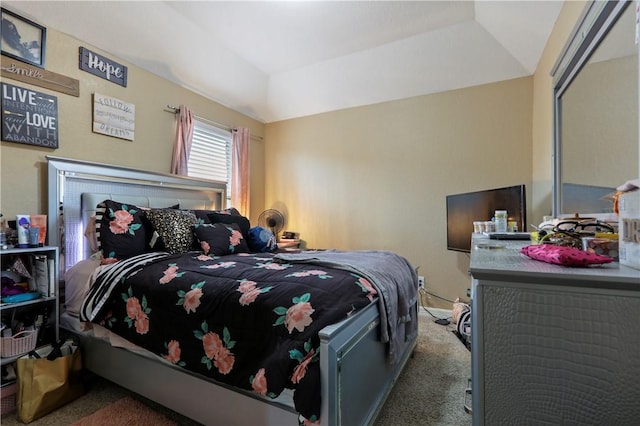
356	379
356	375
193	396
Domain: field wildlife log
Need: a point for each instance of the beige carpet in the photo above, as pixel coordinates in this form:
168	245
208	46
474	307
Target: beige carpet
429	392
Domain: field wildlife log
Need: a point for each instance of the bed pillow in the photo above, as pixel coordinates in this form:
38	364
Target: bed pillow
229	218
220	238
261	240
121	230
172	230
77	284
90	234
203	215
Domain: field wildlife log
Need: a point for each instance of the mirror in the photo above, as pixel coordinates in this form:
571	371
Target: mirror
596	110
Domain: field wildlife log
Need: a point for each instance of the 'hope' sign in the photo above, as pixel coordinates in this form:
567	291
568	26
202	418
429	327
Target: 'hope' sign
102	67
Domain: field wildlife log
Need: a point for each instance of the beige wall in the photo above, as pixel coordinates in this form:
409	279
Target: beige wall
376	177
23	175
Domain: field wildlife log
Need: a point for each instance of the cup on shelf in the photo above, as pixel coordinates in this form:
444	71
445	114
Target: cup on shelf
34	235
489	226
478	227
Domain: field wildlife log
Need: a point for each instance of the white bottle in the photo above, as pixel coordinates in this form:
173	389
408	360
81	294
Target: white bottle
22	227
501	220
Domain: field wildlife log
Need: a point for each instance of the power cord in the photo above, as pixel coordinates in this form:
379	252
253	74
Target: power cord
435	295
438	320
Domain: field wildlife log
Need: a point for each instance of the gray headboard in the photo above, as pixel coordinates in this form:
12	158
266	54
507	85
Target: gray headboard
76	187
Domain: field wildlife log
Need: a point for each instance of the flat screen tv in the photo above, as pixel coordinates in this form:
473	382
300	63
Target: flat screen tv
464	209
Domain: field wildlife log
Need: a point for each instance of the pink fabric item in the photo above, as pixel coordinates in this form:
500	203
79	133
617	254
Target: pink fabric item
566	256
240	167
182	142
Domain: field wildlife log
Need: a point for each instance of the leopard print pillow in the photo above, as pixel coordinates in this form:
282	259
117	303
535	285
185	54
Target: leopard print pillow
173	230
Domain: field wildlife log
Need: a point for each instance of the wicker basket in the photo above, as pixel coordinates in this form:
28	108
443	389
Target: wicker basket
18	344
8	399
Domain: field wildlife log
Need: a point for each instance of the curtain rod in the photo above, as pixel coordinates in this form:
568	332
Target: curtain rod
175	110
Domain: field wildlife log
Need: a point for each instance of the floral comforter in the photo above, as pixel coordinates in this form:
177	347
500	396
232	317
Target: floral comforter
245	320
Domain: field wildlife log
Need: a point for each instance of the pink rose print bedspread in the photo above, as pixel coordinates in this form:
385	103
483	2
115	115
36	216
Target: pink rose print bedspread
243	320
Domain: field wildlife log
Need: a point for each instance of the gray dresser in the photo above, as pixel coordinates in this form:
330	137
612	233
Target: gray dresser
553	345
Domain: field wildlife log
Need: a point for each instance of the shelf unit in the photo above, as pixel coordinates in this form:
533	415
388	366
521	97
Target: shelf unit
47	304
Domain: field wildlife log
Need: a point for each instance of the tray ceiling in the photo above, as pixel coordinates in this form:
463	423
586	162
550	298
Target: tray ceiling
276	60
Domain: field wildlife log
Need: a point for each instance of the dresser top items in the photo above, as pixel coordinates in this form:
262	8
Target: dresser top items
502	260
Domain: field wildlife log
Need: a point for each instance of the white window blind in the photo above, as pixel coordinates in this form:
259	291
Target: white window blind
210	156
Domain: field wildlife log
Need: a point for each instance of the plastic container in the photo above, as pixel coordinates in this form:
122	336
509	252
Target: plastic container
501	220
478	227
40	221
629	235
601	246
23	223
489	226
18	344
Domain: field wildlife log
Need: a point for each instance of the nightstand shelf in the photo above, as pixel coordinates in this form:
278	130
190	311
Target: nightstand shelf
46	306
288	244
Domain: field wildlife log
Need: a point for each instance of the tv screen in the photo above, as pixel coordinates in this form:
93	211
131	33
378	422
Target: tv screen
464	209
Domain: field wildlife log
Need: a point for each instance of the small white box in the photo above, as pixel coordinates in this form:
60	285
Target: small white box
629	229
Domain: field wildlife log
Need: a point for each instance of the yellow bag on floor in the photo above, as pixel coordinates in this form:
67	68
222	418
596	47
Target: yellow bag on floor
48	378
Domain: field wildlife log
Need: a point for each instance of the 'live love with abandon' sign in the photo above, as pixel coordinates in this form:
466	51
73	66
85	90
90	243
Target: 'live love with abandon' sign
29	117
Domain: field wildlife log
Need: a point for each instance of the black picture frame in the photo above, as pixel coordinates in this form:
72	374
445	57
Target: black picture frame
22	39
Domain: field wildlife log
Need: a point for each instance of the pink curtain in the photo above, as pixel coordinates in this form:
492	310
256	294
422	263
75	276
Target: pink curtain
182	142
240	177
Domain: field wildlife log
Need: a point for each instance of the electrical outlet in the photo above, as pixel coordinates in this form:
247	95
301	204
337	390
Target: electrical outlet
420	281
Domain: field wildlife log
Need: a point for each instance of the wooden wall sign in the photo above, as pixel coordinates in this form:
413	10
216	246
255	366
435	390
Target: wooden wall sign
29	117
105	68
113	117
26	73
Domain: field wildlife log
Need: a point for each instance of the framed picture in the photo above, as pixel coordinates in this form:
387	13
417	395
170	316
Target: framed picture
22	39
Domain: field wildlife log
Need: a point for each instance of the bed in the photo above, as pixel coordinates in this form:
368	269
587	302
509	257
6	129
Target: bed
331	362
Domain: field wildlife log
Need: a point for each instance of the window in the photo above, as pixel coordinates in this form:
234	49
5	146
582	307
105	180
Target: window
210	156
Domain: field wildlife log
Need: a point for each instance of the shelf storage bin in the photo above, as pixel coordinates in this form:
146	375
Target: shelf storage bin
21	343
